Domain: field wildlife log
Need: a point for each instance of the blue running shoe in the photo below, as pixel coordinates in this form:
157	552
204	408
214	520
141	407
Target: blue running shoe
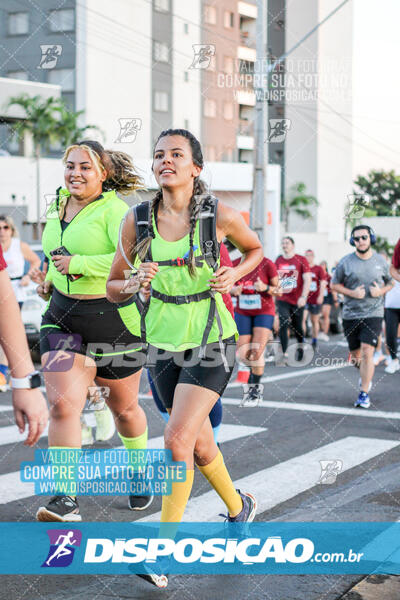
362	400
248	511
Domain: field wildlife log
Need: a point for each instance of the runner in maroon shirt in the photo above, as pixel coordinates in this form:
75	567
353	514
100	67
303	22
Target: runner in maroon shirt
395	266
254	316
294	280
315	297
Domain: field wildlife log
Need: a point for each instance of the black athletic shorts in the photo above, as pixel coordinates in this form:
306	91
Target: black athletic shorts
328	299
365	330
167	369
94	328
313	309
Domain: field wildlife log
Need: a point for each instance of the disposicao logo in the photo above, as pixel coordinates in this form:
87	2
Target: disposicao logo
63	543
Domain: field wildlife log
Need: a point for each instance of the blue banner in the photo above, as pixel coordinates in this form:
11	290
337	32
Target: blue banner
200	548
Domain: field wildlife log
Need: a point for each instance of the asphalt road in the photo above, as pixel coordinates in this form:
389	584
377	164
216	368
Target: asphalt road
307	416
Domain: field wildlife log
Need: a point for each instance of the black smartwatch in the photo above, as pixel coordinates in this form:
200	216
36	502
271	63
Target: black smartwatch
29	382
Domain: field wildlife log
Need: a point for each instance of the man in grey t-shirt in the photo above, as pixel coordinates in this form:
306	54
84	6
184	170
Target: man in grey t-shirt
363	278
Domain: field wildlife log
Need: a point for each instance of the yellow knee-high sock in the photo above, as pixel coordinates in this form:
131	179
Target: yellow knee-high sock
173	506
65	482
217	475
136	443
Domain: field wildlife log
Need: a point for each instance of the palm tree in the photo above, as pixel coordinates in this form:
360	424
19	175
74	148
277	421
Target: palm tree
48	121
297	202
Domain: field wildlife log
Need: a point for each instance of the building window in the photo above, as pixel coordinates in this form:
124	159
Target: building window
18	23
229	19
185	76
228	64
18	75
161	52
62	19
210	108
228	111
161	5
211	153
161	101
63	77
186	28
210	15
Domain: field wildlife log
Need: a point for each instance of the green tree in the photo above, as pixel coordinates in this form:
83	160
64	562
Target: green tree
382	245
382	192
298	202
47	121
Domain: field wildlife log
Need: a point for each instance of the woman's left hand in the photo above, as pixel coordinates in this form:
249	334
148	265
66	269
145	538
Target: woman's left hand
223	280
61	263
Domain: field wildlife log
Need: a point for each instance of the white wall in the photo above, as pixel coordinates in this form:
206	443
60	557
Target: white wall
301	140
334	134
186	96
115	79
18	178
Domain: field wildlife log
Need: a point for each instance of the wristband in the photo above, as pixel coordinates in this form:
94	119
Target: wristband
267	288
29	382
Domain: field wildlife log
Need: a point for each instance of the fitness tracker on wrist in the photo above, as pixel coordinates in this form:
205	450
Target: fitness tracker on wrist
29	382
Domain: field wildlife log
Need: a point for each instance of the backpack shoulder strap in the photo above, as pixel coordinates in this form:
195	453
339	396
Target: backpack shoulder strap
142	213
208	230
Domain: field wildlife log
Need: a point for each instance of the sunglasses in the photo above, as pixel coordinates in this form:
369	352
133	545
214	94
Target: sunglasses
4	227
357	238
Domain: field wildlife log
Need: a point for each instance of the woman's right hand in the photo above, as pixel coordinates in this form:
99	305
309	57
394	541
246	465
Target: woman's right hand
45	289
146	272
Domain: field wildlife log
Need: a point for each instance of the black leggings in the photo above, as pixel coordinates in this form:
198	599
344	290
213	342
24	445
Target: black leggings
290	314
392	320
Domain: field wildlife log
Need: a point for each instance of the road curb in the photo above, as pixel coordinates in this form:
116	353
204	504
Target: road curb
375	587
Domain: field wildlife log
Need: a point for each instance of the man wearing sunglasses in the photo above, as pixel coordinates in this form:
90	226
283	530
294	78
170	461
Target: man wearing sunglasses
363	278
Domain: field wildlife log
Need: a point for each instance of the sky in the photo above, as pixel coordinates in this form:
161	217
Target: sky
376	85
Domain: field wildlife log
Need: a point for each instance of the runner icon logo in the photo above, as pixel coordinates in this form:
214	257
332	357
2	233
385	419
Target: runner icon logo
63	543
50	55
202	56
61	358
330	469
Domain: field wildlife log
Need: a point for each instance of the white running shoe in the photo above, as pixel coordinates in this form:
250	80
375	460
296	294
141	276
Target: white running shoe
378	357
105	426
393	366
323	337
87	435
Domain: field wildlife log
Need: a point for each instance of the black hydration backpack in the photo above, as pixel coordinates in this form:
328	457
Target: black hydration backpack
209	247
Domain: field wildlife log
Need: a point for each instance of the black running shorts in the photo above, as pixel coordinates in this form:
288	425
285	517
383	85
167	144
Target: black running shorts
168	369
365	331
94	328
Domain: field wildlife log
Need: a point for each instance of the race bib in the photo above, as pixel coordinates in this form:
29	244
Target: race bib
234	301
250	301
313	286
288	284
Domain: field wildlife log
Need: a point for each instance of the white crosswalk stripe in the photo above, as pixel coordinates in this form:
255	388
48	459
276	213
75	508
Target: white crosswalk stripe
283	481
12	488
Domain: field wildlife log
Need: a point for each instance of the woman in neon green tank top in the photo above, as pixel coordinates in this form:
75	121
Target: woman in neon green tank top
83	337
175	328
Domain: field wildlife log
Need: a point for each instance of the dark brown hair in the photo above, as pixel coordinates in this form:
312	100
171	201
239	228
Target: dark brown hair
199	189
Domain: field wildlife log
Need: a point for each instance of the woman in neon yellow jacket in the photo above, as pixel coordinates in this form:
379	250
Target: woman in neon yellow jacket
190	332
84	337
